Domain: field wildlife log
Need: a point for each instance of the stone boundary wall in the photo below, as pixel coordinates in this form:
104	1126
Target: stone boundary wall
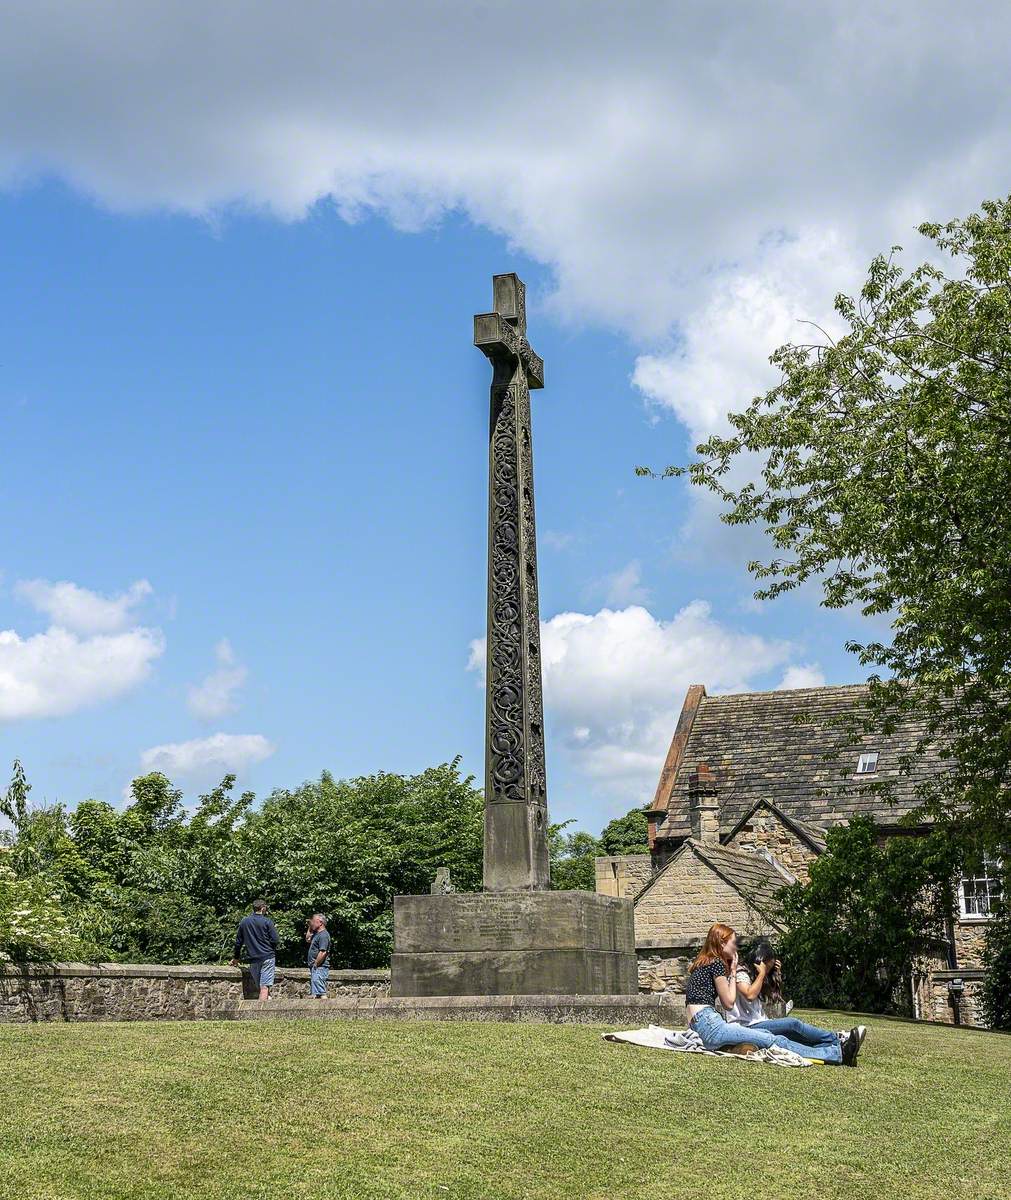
147	992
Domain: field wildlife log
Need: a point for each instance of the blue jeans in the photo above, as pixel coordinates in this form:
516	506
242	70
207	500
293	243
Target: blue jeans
717	1033
317	979
797	1031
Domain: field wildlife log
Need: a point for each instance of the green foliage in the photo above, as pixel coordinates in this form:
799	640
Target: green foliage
14	802
572	855
347	848
155	883
997	961
872	907
34	923
880	467
626	835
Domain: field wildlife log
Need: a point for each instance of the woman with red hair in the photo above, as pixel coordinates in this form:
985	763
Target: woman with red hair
713	977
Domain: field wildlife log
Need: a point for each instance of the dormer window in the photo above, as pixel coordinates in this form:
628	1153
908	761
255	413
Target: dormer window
867	763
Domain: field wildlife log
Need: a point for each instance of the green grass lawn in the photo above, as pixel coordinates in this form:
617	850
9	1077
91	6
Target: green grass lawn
388	1109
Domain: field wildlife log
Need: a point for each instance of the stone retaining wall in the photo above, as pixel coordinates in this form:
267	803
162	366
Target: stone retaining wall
145	992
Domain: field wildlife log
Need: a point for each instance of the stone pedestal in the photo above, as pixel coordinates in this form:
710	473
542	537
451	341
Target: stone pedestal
513	943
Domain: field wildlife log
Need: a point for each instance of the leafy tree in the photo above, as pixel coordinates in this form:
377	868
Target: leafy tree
153	882
880	467
347	847
626	835
997	961
14	802
572	855
873	906
33	924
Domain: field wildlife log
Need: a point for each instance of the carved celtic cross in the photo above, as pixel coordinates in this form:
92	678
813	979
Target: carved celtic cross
515	797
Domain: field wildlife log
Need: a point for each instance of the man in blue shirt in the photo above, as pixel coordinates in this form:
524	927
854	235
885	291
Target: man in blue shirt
319	955
257	933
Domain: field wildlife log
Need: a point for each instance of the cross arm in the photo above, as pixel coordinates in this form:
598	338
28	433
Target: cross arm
494	335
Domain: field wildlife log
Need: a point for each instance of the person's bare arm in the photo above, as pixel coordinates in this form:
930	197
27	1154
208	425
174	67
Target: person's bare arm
726	988
752	990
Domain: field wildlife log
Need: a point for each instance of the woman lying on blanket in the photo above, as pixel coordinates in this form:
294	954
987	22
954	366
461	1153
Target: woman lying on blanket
759	978
713	977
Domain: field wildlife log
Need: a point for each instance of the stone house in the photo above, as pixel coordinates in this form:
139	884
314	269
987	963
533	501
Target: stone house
750	785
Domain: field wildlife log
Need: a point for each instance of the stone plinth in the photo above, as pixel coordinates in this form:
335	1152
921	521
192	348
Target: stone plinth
513	943
622	1012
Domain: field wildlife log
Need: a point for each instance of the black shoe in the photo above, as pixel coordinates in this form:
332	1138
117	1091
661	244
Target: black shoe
861	1034
851	1049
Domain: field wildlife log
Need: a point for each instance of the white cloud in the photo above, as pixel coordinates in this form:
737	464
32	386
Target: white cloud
57	672
743	315
625	587
614	682
214	697
221	753
556	540
636	154
808	675
72	607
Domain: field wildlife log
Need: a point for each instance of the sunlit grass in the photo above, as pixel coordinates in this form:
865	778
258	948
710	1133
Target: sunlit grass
390	1109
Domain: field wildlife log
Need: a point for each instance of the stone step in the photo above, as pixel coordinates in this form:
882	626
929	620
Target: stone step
664	1008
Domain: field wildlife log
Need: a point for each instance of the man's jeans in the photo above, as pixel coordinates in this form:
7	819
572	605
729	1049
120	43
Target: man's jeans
717	1033
317	979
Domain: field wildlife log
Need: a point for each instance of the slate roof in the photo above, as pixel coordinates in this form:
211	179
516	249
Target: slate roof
754	876
775	746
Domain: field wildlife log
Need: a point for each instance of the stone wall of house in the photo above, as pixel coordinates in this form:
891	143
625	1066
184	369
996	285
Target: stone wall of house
969	937
622	875
765	831
685	901
665	968
938	1001
145	992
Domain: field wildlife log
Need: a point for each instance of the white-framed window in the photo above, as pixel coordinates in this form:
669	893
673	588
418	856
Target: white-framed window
867	763
979	893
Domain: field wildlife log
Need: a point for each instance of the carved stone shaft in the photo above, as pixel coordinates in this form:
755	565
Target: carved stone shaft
516	815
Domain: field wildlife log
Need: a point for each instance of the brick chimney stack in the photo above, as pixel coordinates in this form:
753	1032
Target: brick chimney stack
704	806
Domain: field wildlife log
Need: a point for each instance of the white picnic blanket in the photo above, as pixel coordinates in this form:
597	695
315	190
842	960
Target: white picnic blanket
687	1041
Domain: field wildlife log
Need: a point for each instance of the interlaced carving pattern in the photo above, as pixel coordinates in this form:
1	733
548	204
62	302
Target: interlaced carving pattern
516	746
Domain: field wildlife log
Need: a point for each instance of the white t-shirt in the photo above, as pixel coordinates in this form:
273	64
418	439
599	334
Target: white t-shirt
745	1011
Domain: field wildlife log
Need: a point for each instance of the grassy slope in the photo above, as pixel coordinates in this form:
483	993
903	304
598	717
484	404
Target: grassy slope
311	1109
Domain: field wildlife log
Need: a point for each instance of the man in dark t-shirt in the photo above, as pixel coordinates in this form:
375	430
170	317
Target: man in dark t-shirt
319	955
259	936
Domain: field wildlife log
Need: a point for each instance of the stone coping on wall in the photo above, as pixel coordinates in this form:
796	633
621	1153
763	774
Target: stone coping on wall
631	1011
377	975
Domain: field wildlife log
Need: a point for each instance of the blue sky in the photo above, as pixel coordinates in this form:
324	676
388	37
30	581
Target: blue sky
245	427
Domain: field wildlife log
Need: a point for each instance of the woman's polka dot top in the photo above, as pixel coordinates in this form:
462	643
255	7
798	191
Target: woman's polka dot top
701	985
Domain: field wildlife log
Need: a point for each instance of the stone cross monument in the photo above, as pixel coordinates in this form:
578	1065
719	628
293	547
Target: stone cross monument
516	937
515	818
